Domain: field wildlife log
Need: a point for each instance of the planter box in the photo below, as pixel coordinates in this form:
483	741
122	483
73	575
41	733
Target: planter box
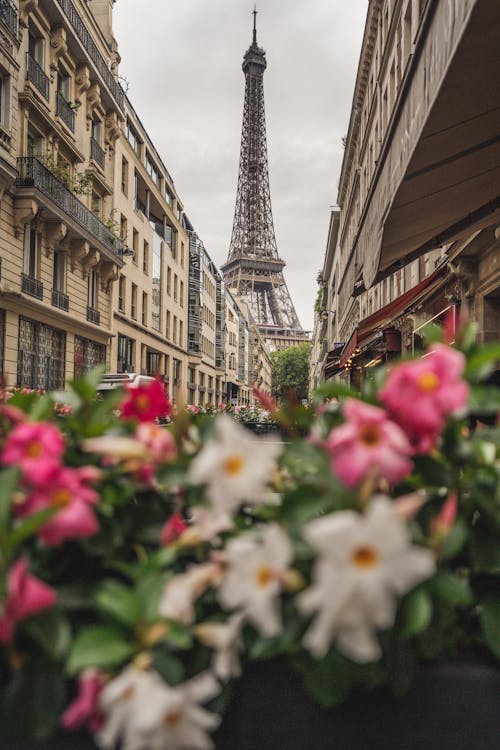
450	707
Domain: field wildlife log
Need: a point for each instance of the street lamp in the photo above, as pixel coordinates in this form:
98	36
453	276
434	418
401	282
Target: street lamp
325	313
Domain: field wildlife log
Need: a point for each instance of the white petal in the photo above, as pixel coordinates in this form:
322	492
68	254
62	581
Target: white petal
359	644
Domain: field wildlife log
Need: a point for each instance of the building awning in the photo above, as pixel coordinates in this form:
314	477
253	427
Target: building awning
439	177
386	315
349	348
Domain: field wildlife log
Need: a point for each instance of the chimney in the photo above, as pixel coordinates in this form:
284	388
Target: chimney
102	10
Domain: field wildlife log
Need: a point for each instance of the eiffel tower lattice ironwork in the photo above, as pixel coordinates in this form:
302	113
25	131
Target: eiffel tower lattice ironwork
253	269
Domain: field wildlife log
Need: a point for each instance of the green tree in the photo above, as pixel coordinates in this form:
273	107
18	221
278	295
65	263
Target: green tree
290	371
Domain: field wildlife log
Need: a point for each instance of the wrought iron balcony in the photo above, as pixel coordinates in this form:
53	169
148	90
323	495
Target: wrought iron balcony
94	316
60	299
37	76
90	46
97	153
34	174
65	111
31	286
10	17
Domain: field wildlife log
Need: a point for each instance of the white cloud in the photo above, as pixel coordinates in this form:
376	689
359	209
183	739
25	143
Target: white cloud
183	63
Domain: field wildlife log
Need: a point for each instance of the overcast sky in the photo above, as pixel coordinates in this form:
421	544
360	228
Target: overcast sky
182	62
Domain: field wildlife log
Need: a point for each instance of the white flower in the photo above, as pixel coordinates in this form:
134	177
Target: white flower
144	713
225	638
256	572
207	523
365	562
235	467
177	602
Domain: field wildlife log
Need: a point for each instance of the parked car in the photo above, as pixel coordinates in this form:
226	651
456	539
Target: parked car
120	379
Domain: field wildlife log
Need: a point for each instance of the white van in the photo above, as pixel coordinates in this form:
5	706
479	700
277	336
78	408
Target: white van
121	379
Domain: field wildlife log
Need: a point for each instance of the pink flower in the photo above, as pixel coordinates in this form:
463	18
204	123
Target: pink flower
173	529
265	400
420	395
146	402
36	447
442	523
368	442
84	709
158	440
26	595
66	491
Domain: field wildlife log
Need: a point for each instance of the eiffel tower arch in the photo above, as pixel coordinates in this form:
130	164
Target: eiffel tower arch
253	270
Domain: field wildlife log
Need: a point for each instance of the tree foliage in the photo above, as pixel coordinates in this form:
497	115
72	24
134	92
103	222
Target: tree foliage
290	371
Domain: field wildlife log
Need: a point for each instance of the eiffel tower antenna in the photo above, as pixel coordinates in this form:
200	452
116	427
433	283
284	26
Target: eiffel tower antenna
253	269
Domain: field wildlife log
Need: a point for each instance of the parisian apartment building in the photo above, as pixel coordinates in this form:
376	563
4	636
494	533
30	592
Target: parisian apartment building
99	263
415	235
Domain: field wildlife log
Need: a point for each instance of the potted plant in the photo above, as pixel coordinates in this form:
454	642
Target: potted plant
155	578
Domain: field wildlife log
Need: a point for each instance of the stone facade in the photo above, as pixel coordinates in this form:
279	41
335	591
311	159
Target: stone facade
96	250
419	186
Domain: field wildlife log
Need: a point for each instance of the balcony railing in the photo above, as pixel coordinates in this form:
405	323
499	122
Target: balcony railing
37	76
59	299
97	153
65	111
10	17
32	173
31	286
90	46
93	316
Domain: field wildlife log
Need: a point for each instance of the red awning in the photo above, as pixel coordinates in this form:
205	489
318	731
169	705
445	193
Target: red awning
384	317
349	348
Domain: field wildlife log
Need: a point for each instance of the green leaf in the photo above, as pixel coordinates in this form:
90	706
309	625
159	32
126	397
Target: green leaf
490	621
119	601
482	362
485	549
51	631
451	589
335	390
29	526
416	613
432	333
149	591
42	409
434	473
170	667
178	635
86	387
99	646
484	400
32	703
9	481
455	539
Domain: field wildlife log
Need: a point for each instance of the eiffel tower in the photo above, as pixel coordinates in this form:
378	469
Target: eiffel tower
253	270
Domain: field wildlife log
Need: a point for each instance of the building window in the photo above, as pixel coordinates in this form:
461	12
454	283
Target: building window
144	309
32	243
133	302
88	355
153	362
93	289
133	138
152	171
2	339
59	297
169	281
96	132
4	99
182	254
123	228
145	258
125	357
174	329
181	333
36	48
121	293
124	180
96	204
167	327
156	283
41	356
135	245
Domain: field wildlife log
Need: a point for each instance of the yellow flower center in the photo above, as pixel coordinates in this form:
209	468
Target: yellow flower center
61	497
34	449
173	718
233	465
365	557
369	435
428	381
264	576
142	402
